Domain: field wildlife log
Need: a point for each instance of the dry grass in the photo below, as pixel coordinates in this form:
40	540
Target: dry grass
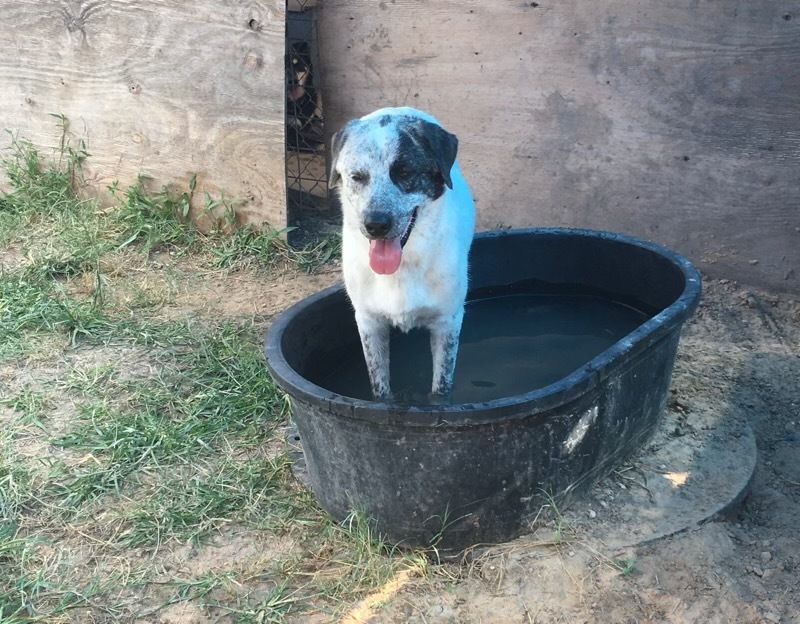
135	443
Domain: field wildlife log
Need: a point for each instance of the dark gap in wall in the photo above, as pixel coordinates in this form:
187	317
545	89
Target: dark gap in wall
307	205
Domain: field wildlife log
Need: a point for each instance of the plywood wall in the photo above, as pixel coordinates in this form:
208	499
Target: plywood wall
169	89
674	121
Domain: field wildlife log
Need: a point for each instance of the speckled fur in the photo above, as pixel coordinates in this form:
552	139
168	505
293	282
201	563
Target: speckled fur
429	288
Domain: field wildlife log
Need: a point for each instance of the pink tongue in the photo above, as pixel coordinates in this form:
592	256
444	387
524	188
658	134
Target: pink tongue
384	255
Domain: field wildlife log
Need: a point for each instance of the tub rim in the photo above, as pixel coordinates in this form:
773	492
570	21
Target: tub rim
578	383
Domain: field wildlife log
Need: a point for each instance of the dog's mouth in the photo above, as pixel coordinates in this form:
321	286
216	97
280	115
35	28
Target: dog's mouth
409	227
385	254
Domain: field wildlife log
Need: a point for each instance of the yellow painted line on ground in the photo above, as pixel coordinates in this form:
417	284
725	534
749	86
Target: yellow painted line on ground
363	610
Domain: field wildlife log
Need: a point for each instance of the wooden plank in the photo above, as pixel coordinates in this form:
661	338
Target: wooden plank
677	122
169	89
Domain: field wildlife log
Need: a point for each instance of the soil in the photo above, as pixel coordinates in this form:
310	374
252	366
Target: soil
739	362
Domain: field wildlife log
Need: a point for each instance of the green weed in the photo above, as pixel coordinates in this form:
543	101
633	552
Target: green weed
626	566
31	405
246	246
199	498
38	585
155	220
42	187
15	484
280	600
319	253
164	455
216	389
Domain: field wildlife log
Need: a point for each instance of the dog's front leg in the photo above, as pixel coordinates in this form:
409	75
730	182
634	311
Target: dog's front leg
444	349
375	344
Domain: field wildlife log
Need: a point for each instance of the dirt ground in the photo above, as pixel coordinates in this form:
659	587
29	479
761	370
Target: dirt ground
739	359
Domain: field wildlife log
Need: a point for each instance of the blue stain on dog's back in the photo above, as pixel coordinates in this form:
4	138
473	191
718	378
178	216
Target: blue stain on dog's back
510	345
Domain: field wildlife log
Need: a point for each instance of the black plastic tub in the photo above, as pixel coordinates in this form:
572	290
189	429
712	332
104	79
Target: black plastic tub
459	475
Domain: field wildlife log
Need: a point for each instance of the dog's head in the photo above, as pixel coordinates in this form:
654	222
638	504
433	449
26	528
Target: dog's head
298	70
388	168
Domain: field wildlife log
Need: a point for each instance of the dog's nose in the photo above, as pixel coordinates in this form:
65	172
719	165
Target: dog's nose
378	224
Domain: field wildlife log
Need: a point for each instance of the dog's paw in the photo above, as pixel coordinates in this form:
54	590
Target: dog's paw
383	397
440	399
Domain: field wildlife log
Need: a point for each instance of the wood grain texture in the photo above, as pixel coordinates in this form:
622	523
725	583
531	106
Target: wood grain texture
169	89
677	122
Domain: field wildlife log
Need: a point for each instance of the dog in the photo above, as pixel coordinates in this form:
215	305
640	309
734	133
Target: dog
407	225
303	101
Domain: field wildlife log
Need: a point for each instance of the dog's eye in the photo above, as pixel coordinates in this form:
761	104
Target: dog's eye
403	172
359	177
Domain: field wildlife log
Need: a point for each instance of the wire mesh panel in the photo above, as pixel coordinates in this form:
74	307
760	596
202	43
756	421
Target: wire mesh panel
306	183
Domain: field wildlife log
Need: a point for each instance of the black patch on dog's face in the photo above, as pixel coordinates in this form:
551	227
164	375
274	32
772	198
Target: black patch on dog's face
385	121
415	170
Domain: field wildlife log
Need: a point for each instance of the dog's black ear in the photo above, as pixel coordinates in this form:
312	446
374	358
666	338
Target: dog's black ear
337	142
441	145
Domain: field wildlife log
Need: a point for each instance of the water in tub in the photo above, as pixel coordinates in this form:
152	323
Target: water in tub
510	345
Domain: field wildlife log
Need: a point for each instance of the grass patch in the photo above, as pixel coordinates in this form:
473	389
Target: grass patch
188	505
39	188
16	585
155	220
210	392
366	560
15	484
626	566
343	565
37	584
33	303
266	247
169	436
31	405
66	234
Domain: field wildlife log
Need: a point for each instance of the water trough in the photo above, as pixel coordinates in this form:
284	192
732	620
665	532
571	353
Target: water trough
466	473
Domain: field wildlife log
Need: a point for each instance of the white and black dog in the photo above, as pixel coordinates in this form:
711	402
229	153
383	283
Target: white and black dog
408	221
